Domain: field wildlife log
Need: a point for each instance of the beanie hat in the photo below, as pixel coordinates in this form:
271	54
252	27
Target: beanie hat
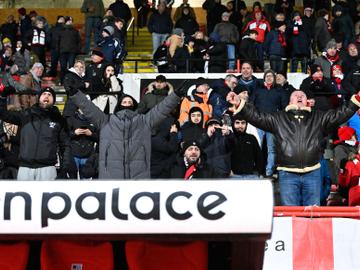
22	11
282	72
49	90
177	31
212	121
6	40
187	144
345	133
97	51
109	30
314	68
240	88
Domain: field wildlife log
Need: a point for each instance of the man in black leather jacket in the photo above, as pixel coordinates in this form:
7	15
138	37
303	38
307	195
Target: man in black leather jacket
298	131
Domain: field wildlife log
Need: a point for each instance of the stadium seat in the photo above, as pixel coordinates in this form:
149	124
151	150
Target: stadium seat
76	255
143	255
354	196
14	255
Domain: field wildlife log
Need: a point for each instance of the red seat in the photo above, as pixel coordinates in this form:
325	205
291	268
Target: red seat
354	196
14	255
76	255
143	255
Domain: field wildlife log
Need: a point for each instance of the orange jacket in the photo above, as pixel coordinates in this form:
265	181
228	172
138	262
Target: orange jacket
190	102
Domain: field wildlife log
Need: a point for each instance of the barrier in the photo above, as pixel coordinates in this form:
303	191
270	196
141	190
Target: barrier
151	210
313	243
133	83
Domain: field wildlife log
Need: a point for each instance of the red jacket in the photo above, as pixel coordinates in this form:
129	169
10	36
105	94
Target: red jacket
262	27
350	179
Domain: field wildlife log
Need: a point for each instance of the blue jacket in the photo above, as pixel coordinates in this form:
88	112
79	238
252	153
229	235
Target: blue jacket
269	101
272	45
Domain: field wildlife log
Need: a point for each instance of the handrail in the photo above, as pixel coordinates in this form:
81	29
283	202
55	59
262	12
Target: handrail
131	23
317	211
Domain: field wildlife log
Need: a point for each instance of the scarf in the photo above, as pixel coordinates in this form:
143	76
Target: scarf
281	39
332	59
190	169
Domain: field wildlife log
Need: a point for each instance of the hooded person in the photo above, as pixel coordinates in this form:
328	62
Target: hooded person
191	163
125	137
193	128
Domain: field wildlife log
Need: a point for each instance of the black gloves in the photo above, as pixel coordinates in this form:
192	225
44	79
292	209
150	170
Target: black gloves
181	91
7	90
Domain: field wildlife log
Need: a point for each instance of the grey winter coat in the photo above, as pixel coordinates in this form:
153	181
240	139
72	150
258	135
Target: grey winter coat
125	137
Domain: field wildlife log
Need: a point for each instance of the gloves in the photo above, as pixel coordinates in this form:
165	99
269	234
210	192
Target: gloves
181	91
6	90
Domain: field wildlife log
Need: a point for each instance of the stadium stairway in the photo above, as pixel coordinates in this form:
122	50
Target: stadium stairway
141	49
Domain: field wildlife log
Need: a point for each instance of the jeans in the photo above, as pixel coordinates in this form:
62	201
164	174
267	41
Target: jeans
295	62
231	55
67	60
270	143
300	189
92	24
157	40
80	162
244	177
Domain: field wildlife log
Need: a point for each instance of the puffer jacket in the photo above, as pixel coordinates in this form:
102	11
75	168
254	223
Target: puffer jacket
42	132
125	137
298	133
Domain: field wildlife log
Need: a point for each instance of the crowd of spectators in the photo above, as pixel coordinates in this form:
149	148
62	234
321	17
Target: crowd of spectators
234	127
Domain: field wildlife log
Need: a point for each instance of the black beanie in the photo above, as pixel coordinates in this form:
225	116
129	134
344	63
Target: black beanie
187	144
49	90
314	68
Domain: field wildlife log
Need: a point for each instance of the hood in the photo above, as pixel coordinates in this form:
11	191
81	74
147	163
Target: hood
151	88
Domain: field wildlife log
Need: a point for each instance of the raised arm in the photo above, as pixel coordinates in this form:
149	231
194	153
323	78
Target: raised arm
91	112
265	121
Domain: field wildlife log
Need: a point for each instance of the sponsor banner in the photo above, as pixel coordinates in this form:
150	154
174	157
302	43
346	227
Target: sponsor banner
135	207
134	83
318	243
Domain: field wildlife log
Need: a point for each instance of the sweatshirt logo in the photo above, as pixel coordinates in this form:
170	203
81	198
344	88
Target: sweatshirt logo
52	124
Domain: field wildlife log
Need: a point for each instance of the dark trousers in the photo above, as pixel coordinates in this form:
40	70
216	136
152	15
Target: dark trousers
67	61
54	62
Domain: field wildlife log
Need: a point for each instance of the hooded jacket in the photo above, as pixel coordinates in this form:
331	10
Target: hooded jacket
154	96
125	137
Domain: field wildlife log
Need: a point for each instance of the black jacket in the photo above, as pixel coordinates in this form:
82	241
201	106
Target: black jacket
246	155
160	23
82	146
121	10
203	170
299	133
54	36
69	40
43	131
164	146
